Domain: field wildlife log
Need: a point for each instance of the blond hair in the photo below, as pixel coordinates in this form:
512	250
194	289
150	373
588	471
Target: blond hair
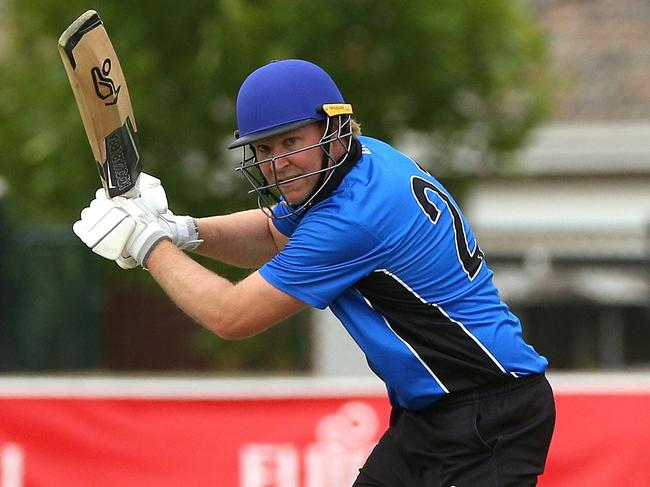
356	128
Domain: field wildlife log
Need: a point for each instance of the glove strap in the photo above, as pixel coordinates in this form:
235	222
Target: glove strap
191	240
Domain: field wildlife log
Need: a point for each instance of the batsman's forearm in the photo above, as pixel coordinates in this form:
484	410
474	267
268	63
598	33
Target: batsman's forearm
193	288
232	311
242	239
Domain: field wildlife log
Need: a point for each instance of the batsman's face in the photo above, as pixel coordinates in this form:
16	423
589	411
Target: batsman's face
288	168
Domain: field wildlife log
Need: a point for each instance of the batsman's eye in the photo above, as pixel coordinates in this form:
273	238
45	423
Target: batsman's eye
290	142
262	149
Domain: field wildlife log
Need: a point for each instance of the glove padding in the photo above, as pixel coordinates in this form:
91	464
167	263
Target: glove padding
147	233
104	227
183	230
120	229
149	191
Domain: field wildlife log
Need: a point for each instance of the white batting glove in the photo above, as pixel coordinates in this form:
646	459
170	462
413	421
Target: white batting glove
147	234
120	229
149	189
184	230
104	227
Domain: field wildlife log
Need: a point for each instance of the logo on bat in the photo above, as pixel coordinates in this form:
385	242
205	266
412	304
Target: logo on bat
104	86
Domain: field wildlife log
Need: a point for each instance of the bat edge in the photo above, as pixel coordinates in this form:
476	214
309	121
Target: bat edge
70	37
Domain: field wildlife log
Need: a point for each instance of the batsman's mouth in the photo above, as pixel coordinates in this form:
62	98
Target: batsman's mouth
289	180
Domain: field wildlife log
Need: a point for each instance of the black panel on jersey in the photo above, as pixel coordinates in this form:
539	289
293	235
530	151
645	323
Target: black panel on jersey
453	356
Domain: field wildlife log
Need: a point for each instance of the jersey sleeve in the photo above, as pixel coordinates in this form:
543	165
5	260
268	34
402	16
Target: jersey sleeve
283	220
325	256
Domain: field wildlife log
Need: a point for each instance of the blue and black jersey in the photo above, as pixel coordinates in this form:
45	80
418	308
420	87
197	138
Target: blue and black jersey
393	257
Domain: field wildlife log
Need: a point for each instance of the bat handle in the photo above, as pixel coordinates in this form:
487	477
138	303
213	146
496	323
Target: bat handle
134	192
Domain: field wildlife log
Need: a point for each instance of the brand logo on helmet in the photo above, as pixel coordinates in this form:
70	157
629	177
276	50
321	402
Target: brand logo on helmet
333	109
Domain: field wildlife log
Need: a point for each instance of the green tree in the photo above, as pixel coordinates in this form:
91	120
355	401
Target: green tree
464	78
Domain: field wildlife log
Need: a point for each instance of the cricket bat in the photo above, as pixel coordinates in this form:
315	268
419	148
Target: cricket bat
103	99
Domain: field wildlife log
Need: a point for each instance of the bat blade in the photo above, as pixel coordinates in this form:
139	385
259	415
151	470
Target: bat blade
100	89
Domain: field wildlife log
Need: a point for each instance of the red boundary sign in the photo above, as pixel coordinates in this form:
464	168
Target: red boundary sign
270	433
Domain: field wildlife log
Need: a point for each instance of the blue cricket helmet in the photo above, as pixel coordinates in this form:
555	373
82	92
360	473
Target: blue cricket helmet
282	96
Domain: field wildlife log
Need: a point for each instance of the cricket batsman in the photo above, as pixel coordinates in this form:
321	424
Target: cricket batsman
349	223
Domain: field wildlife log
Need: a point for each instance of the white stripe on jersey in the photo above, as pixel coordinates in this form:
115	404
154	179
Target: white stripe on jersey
462	327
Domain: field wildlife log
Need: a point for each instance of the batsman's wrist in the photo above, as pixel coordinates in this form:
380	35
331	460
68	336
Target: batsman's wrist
147	252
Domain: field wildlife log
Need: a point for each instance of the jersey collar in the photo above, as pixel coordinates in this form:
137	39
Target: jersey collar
339	173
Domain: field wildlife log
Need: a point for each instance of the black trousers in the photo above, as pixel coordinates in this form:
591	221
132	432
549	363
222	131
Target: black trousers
494	436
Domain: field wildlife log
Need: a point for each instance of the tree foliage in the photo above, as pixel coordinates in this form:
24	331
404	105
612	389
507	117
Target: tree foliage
465	73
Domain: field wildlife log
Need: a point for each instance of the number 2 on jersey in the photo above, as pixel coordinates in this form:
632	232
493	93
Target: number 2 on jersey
470	260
